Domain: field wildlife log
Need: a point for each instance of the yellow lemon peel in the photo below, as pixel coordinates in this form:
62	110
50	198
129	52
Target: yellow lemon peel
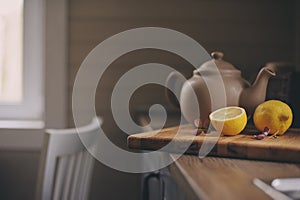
274	114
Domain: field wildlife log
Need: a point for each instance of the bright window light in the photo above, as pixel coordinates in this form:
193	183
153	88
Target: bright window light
11	51
22	60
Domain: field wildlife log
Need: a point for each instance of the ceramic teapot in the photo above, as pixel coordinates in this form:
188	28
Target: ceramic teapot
238	91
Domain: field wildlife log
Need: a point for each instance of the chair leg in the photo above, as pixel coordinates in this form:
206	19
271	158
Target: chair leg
157	176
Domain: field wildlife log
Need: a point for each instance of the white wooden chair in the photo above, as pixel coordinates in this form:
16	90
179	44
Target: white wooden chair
66	165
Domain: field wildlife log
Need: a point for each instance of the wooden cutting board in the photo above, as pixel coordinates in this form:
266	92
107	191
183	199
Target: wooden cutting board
284	148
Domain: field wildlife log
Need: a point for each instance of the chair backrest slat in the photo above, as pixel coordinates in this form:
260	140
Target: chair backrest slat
86	175
76	180
60	175
69	176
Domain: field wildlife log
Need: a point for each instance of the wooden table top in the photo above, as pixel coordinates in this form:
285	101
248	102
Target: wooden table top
226	178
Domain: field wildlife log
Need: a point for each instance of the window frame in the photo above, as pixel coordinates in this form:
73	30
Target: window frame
31	107
27	135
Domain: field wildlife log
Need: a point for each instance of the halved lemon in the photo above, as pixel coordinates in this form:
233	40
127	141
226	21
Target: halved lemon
229	120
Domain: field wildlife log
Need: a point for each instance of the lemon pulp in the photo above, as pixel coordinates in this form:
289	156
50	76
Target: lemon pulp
229	120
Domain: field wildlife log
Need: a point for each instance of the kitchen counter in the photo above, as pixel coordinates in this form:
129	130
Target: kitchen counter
226	178
214	177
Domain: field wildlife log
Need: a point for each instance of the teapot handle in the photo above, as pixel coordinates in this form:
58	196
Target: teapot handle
172	79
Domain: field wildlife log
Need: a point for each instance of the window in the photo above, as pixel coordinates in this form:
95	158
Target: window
43	101
21	59
11	43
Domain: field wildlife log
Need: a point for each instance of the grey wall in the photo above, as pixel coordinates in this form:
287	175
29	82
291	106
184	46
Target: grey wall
18	172
250	33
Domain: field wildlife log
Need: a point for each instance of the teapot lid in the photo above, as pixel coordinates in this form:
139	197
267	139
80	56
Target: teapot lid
222	65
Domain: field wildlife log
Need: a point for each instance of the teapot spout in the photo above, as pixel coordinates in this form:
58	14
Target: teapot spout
254	95
261	82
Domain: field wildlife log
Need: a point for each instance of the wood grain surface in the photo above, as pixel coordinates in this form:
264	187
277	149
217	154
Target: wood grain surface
284	148
226	178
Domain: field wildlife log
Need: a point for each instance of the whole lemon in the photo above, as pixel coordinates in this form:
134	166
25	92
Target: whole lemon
274	114
229	120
